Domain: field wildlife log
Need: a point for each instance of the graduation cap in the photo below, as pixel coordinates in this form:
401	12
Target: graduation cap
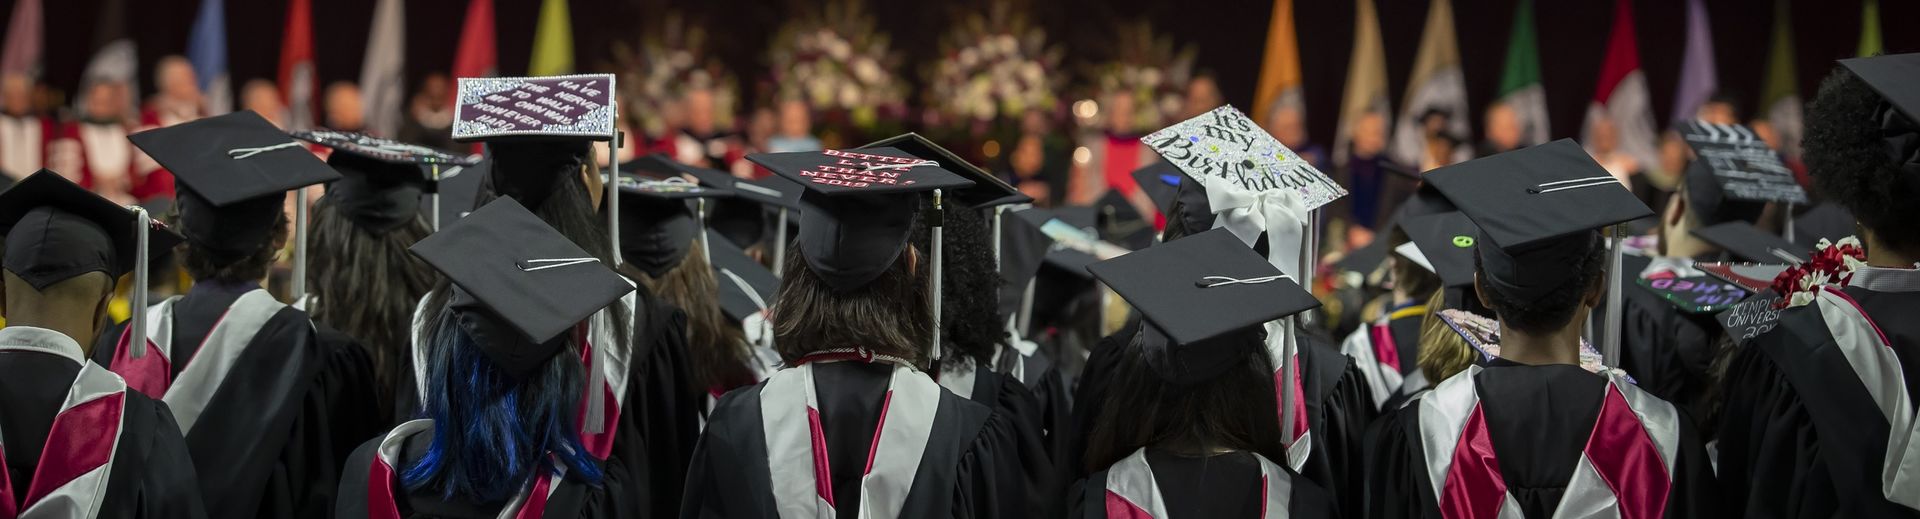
1753	277
1161	182
381	181
1058	256
987	189
656	226
233	172
518	284
1023	249
1749	243
1119	222
746	286
1204	299
1537	209
457	191
56	230
861	206
576	107
1447	241
1893	77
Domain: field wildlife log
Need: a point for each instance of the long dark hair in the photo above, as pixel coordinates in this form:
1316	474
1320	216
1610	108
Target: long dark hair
718	349
366	285
493	432
1232	411
970	320
891	315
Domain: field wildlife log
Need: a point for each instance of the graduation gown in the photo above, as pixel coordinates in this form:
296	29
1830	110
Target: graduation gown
57	405
1668	352
1814	409
371	487
652	412
1156	484
263	404
1028	364
1332	401
1387	353
1011	398
803	444
1538	442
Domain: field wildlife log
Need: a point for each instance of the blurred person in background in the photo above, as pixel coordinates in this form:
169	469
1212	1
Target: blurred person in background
1287	122
263	98
793	128
179	99
1503	130
93	150
429	120
343	107
24	132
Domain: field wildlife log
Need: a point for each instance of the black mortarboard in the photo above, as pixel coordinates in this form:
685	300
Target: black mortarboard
1538	208
459	188
1208	294
1119	222
739	217
1065	259
1161	181
987	189
56	230
1893	77
1365	259
233	172
1447	241
518	284
530	170
381	181
746	286
1749	243
656	226
1023	249
861	207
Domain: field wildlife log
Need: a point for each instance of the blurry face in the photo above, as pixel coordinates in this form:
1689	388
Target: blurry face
1370	134
178	82
16	94
1203	94
794	119
1603	137
1717	113
1119	112
1288	125
699	111
262	99
106	100
1503	127
437	91
343	108
1028	154
1674	154
1764	129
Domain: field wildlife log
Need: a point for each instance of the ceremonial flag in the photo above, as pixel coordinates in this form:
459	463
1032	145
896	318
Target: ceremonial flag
1780	96
1437	85
1621	94
297	79
114	57
552	41
1366	79
383	72
1870	30
24	44
207	50
1520	87
1280	70
1697	73
475	57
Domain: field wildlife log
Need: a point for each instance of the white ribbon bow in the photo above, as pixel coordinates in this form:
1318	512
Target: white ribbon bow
1275	212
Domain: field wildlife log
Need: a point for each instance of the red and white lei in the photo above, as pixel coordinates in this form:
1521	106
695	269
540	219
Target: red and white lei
1832	264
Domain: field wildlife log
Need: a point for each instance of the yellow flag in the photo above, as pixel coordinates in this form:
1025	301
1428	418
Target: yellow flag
552	41
1280	71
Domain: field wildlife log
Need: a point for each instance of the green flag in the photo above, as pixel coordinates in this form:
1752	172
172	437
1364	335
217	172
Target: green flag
1520	87
1870	30
552	41
1780	92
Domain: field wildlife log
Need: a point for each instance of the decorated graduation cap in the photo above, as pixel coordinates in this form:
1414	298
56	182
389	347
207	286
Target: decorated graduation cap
1749	243
233	172
658	228
1734	174
381	181
519	285
1447	241
1161	181
1893	77
1204	298
986	190
538	130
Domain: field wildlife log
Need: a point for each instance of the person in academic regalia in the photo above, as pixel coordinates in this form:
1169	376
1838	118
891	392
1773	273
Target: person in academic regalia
268	410
24	135
75	442
361	282
498	433
1191	428
93	150
648	415
1386	348
1532	434
855	428
1818	418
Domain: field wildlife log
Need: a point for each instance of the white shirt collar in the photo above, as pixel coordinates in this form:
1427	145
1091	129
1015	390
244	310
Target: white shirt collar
1887	279
42	340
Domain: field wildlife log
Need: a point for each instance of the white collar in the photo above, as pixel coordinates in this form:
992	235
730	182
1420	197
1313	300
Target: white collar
18	337
1887	279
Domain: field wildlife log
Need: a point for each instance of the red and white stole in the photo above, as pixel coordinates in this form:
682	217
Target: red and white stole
188	395
70	479
1300	432
1625	471
1132	492
1871	356
1373	349
382	504
797	445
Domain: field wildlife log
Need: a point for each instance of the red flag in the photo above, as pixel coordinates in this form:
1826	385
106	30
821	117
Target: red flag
297	80
475	56
1623	57
1621	99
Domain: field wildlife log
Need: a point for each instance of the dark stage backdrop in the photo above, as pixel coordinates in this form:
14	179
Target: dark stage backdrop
1229	35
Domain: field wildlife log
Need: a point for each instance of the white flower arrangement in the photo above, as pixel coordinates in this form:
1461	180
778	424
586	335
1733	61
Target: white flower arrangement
836	60
1149	69
669	62
994	66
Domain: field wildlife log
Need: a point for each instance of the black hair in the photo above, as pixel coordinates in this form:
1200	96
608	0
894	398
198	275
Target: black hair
890	315
366	285
1235	410
205	265
1552	310
1848	160
970	320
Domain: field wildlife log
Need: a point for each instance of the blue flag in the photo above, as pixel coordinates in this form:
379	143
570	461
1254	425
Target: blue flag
207	50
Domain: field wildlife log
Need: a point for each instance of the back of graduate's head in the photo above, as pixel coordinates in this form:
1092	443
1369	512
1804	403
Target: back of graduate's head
232	261
1409	279
1577	267
1443	352
890	315
1234	409
366	284
41	288
719	348
970	318
74	305
558	182
1851	152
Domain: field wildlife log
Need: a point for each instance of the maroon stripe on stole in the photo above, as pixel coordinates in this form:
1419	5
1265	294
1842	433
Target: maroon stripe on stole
600	444
1863	315
1263	495
1120	508
822	472
80	440
151	375
1384	349
536	504
877	429
1627	460
1473	488
381	503
7	510
1300	424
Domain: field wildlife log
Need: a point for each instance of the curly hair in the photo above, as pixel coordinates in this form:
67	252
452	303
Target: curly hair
1555	308
718	349
970	319
365	284
1848	161
208	266
890	315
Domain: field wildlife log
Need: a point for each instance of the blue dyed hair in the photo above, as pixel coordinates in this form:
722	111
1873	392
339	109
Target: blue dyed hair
491	431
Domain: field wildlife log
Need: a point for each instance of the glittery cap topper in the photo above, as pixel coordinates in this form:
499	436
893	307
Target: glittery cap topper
555	107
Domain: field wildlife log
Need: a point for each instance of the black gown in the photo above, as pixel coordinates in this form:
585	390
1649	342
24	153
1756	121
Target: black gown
1338	410
572	498
152	474
1043	378
1538	420
1225	486
967	469
1667	351
272	438
1800	436
1025	413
